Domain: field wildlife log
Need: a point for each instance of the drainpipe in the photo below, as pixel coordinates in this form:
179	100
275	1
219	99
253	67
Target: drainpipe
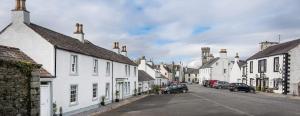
112	81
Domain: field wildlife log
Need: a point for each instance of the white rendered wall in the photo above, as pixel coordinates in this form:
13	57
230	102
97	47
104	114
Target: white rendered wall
295	70
235	73
20	36
85	79
269	73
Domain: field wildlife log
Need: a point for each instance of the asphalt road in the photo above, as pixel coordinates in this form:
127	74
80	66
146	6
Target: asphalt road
202	101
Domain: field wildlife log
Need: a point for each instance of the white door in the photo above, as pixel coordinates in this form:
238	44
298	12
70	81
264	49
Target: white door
45	100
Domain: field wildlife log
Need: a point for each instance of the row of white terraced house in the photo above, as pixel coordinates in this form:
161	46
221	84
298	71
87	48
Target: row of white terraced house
82	72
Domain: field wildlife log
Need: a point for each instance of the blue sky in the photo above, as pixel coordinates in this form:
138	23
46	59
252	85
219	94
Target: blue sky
167	30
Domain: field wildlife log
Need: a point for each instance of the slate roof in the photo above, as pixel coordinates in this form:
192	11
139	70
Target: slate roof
276	49
241	63
209	63
14	54
68	43
143	76
192	71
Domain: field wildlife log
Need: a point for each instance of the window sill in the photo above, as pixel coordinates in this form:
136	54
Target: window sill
95	99
73	104
73	74
95	74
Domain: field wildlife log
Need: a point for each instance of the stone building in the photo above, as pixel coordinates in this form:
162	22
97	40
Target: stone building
19	83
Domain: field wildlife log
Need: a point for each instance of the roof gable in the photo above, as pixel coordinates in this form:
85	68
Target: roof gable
209	63
143	76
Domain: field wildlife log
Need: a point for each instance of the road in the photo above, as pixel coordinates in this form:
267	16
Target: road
202	101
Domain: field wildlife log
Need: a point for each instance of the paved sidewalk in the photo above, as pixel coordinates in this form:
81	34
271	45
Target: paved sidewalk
278	95
109	107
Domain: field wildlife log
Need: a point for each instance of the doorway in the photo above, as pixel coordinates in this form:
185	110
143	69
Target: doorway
45	100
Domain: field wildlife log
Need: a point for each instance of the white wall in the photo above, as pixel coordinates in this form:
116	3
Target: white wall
204	74
119	72
85	79
191	77
269	73
295	70
235	73
218	70
21	36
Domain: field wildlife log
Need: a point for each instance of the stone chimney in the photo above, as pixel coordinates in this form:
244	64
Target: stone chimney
266	44
78	34
20	14
124	51
116	47
210	57
237	57
223	53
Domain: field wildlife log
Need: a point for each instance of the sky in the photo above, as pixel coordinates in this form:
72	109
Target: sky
169	30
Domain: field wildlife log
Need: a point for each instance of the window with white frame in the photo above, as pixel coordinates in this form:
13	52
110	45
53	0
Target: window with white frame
107	90
74	94
128	70
95	91
74	64
276	64
129	88
126	74
251	66
126	91
134	71
262	66
108	69
95	66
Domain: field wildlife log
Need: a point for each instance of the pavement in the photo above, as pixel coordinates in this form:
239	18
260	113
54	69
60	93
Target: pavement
109	107
200	101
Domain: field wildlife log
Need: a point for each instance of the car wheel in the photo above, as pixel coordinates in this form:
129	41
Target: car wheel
168	92
184	91
252	91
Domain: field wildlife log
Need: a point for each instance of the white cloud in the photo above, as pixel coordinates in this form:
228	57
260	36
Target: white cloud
238	25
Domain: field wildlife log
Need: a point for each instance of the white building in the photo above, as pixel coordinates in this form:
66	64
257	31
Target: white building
236	73
216	68
165	71
149	68
83	71
276	67
191	75
145	82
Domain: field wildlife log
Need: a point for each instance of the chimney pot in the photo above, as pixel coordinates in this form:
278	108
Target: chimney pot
81	28
78	34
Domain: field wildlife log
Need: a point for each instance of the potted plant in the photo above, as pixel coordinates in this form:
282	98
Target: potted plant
60	111
103	100
117	96
139	92
54	109
135	92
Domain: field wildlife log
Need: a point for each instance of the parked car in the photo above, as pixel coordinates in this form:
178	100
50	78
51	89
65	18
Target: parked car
241	87
212	82
205	83
183	88
172	89
221	85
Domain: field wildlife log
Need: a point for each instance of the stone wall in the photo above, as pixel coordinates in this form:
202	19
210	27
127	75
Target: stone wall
19	92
